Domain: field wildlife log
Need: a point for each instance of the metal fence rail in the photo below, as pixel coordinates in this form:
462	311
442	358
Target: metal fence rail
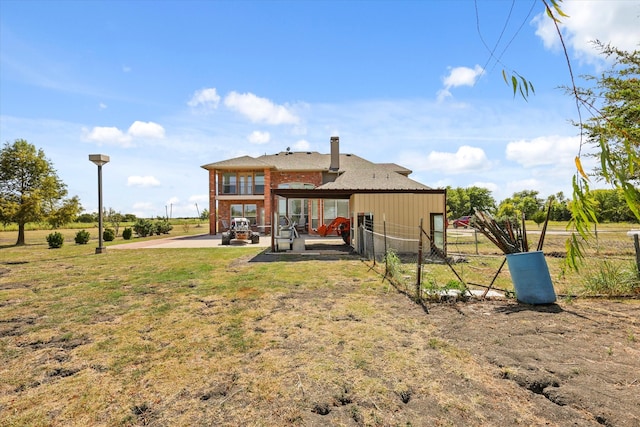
472	260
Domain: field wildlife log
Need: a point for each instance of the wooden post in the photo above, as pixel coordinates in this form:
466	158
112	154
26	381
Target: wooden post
475	235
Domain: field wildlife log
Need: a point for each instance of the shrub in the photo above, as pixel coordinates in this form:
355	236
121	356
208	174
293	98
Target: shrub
108	234
163	227
126	233
82	237
55	240
143	227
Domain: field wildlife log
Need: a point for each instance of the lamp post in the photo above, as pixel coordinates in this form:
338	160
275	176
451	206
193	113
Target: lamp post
100	160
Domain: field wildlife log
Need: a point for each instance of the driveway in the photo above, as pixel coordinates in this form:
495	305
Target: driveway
197	241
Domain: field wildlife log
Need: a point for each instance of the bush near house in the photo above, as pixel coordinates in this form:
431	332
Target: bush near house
108	234
143	227
82	237
163	227
55	240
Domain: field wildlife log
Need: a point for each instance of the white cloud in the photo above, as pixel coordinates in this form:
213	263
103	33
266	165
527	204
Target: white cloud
612	21
465	159
108	135
259	110
207	98
491	186
301	145
142	181
459	76
257	137
544	150
146	130
126	69
114	136
102	106
173	201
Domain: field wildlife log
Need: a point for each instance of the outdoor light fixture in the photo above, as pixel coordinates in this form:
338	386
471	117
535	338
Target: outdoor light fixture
100	160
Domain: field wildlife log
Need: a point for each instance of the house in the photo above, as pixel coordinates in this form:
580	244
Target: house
312	189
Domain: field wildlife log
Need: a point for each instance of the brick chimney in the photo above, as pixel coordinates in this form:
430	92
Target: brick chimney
335	154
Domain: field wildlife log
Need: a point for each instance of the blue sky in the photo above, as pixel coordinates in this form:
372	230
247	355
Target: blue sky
163	87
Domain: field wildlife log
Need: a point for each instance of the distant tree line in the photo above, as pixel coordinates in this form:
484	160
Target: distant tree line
610	205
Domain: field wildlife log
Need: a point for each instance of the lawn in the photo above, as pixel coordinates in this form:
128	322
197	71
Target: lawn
231	336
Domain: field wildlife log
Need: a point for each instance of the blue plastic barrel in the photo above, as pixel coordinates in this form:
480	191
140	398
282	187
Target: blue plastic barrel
531	279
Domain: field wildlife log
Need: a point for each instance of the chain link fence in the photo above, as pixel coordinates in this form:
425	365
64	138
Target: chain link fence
471	261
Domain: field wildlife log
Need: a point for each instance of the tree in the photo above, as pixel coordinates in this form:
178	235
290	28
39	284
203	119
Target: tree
614	128
480	198
114	218
30	189
463	201
611	206
523	202
129	218
457	202
559	207
204	215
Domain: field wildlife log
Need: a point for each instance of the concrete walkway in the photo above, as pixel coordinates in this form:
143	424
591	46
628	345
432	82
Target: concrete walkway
197	241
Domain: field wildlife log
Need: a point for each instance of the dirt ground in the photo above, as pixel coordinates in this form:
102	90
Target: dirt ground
579	361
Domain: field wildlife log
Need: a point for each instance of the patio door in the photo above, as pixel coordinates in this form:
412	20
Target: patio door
298	212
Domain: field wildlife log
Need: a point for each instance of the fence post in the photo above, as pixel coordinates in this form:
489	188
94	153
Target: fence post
475	235
384	231
373	243
637	246
419	272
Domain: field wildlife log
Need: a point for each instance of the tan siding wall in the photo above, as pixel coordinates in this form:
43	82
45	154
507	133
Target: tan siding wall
399	209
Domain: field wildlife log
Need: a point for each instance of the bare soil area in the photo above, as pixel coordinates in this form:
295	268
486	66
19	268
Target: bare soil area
578	363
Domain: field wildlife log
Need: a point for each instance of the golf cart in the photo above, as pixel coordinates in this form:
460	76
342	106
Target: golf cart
240	232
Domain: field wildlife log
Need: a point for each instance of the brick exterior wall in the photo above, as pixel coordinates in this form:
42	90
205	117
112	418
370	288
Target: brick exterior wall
272	179
278	178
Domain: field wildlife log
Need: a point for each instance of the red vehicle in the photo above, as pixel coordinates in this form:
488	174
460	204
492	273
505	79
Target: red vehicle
341	226
463	221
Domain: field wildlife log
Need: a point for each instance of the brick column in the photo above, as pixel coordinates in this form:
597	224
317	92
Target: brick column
213	216
267	198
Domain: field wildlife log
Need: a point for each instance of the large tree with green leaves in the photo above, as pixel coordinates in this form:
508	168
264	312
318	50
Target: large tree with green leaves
463	201
524	202
30	189
614	128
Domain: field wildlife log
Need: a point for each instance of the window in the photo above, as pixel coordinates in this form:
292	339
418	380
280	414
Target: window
334	208
229	183
259	183
246	183
242	183
236	211
437	230
249	211
314	213
298	211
